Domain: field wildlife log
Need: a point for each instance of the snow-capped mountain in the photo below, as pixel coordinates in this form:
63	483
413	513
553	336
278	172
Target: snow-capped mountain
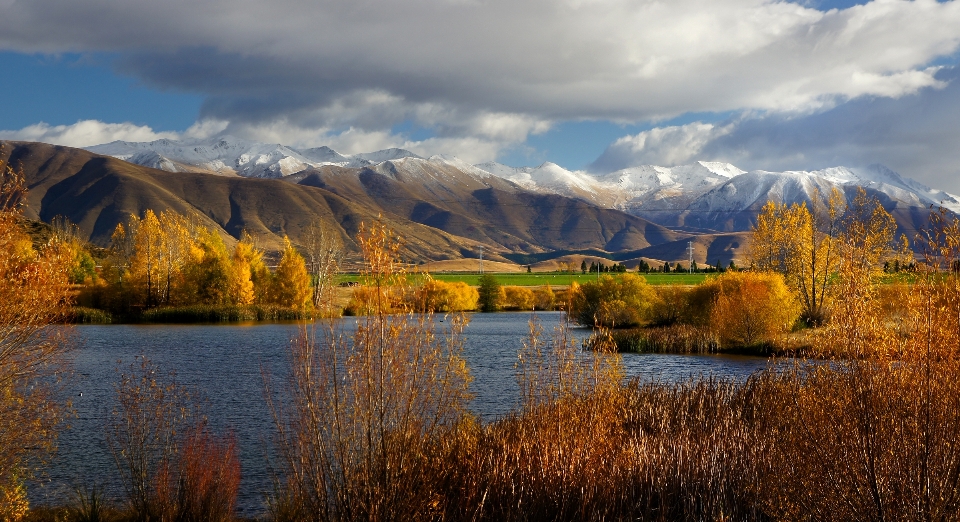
701	195
720	196
232	156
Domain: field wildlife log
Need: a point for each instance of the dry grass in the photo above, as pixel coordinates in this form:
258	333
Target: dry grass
470	265
868	437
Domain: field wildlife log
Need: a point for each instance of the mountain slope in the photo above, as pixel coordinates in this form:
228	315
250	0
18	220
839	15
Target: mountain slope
441	194
441	209
97	192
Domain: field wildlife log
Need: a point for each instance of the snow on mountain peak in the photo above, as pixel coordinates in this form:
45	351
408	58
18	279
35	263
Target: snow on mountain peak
230	155
640	189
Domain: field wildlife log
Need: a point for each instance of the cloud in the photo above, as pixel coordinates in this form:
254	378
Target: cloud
916	135
659	146
474	69
85	133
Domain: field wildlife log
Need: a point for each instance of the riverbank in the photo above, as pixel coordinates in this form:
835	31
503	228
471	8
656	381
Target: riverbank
194	314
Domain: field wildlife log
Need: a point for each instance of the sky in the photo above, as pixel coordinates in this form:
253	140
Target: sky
595	85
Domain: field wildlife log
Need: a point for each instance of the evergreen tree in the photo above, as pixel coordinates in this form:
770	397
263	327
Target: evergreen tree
583	266
489	294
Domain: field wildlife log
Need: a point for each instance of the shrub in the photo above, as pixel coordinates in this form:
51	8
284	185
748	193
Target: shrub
673	304
622	301
518	298
438	296
33	297
371	415
751	307
544	298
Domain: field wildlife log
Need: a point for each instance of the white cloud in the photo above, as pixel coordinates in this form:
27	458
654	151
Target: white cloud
366	63
85	133
667	146
915	135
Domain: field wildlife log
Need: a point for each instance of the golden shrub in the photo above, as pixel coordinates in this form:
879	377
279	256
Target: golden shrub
751	307
518	298
439	296
625	300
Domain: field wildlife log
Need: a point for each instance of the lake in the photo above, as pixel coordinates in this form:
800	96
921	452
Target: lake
224	363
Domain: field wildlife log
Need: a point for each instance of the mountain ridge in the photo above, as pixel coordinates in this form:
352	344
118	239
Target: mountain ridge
701	196
440	211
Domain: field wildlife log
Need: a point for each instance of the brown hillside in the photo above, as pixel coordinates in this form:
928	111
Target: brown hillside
97	192
440	213
489	210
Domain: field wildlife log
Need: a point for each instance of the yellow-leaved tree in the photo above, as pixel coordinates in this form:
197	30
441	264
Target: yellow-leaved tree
804	244
33	295
291	283
207	271
439	296
750	308
147	261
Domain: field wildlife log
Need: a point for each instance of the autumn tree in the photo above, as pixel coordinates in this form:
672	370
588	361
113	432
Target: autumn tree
518	298
323	253
207	271
440	296
240	286
250	272
82	267
749	308
544	298
33	296
804	244
146	263
291	284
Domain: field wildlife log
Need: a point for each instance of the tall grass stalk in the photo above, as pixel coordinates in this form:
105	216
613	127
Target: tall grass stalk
371	413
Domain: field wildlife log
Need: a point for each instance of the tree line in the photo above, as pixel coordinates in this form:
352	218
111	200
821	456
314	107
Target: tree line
166	259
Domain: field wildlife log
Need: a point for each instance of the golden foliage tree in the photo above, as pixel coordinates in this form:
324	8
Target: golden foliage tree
33	296
804	244
291	284
544	298
146	263
439	296
207	270
518	298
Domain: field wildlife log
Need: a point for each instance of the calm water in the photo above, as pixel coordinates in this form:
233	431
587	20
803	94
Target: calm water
224	363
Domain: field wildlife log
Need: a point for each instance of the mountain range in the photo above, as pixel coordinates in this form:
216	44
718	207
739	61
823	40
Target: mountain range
444	208
700	197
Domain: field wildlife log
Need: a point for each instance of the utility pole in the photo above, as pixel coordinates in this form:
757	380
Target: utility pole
481	259
690	251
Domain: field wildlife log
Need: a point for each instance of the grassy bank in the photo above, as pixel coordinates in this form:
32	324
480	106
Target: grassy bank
198	314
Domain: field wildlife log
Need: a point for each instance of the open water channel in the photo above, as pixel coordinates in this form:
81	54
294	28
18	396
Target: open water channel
225	362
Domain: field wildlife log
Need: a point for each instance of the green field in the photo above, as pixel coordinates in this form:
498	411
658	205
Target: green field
553	278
